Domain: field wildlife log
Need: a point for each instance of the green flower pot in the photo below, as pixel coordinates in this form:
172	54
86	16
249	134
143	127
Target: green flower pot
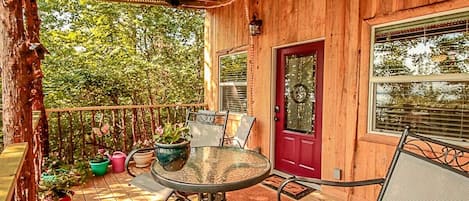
99	169
172	157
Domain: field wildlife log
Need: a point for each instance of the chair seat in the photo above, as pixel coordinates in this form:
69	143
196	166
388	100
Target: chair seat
146	182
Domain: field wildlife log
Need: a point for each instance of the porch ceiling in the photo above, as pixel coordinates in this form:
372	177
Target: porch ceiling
199	4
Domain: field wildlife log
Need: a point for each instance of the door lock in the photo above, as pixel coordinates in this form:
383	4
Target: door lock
276	109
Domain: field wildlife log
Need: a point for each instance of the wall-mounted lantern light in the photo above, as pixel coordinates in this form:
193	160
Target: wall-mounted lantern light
255	26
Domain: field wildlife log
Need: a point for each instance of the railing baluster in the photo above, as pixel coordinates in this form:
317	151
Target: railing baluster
134	125
93	135
144	128
114	127
100	140
83	135
59	136
72	149
168	116
152	121
124	134
159	115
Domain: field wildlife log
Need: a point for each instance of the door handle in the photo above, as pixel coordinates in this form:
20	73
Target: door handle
276	119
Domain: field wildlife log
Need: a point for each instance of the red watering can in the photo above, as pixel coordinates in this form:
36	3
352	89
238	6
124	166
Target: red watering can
118	161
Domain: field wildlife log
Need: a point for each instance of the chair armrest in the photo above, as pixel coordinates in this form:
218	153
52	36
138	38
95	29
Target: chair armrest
130	156
231	141
379	181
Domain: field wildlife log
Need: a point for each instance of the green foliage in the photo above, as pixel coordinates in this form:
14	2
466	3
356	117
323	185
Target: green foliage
117	54
172	133
99	158
58	177
56	187
143	144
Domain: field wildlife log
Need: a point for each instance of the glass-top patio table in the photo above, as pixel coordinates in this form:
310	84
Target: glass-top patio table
214	170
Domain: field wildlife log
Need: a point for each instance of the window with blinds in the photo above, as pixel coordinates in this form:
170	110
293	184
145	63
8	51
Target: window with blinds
420	77
233	84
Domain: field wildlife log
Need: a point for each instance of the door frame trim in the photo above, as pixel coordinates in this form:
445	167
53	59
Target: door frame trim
273	92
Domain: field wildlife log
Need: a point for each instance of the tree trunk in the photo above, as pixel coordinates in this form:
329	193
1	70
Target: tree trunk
40	146
20	54
16	75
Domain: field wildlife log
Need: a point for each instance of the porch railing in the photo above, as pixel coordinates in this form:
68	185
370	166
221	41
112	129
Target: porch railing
13	184
75	133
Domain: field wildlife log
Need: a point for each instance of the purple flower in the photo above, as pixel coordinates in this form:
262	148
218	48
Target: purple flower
159	130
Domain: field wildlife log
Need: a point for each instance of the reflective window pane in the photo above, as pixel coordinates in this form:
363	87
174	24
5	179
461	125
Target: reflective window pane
434	55
432	108
434	51
233	82
234	98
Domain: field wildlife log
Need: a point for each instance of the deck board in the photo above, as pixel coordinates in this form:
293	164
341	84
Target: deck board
115	187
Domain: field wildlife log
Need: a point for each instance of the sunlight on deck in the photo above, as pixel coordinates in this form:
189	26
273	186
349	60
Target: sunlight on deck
114	187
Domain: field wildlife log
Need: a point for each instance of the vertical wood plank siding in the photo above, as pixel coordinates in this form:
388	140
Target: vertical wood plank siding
345	27
71	129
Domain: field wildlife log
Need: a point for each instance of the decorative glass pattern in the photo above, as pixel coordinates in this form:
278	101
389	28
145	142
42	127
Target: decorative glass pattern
300	86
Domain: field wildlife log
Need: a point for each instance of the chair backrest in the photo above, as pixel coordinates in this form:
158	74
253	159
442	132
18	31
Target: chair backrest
427	169
207	133
207	116
244	129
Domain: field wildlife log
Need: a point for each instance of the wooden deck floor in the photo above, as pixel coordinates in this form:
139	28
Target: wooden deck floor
114	187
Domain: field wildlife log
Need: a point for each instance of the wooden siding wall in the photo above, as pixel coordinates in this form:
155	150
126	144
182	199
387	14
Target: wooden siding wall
374	152
227	31
345	27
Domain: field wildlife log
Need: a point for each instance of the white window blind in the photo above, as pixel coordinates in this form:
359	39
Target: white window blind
233	84
420	77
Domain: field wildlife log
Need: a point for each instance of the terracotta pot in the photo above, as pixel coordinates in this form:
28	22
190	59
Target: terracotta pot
143	159
66	198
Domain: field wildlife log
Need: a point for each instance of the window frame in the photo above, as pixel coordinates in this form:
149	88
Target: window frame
223	84
372	80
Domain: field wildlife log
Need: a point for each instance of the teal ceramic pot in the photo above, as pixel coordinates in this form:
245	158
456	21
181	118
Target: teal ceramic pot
172	157
99	169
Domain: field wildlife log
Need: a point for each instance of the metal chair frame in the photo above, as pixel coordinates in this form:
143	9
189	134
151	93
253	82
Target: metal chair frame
216	119
450	157
242	133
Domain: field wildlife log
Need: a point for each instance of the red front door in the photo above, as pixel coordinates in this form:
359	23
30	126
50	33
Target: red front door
298	109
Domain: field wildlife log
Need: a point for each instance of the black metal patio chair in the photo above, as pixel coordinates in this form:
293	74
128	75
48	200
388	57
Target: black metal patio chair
242	132
422	169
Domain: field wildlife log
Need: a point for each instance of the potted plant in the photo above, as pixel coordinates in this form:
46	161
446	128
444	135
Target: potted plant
172	146
99	163
53	166
58	187
143	158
